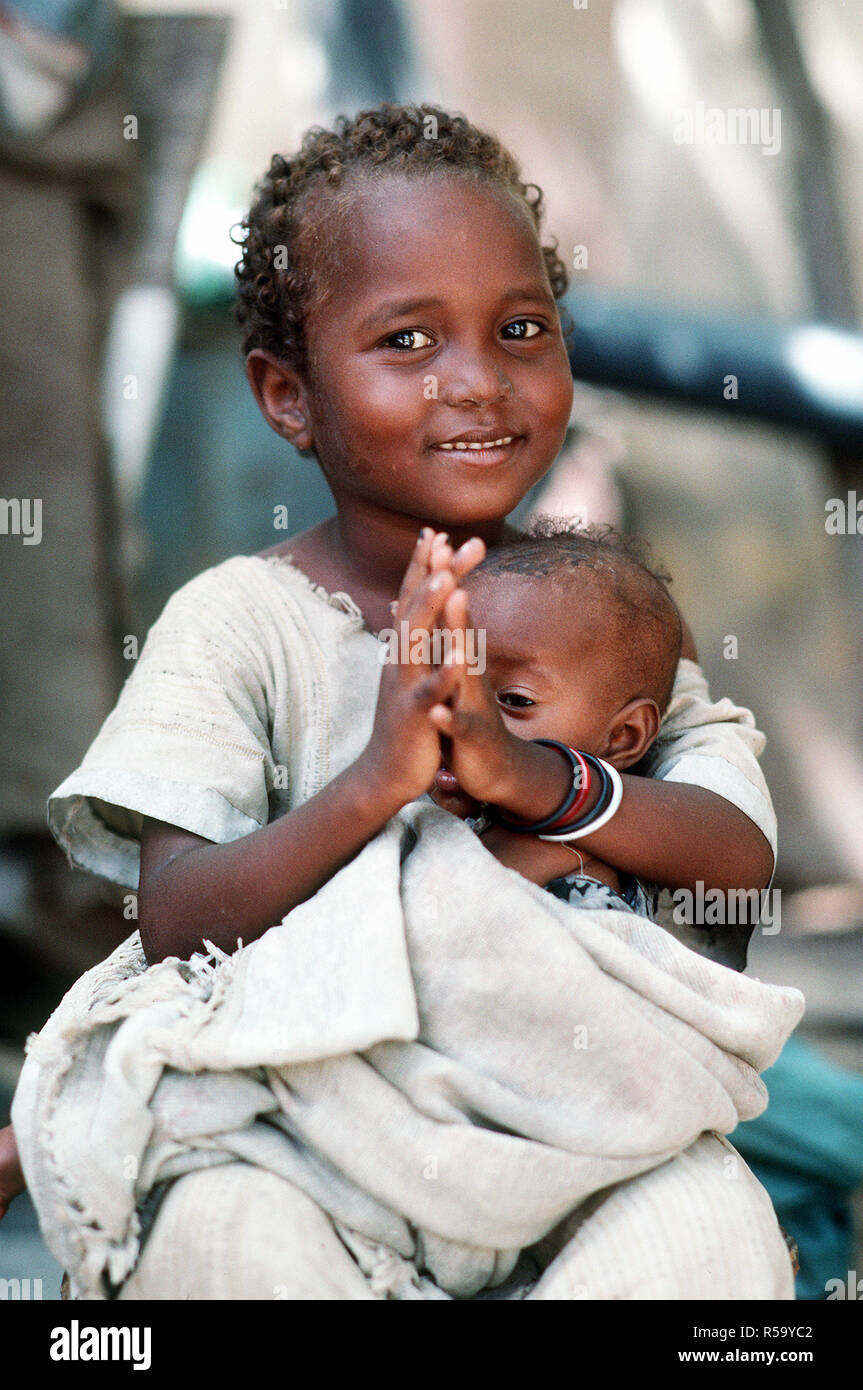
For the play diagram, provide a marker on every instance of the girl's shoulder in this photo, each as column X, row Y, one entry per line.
column 243, row 588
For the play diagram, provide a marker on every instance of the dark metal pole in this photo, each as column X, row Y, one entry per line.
column 808, row 376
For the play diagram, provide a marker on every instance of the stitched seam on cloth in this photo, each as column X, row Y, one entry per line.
column 339, row 599
column 187, row 732
column 315, row 773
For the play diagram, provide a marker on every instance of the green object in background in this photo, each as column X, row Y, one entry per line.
column 205, row 255
column 807, row 1150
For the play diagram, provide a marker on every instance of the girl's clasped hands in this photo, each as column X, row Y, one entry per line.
column 437, row 723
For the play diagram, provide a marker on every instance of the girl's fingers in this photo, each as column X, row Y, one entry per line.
column 423, row 608
column 418, row 566
column 468, row 556
column 456, row 613
column 442, row 717
column 458, row 673
column 452, row 720
column 432, row 555
column 441, row 552
column 437, row 688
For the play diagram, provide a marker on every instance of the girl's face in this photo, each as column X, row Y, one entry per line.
column 438, row 384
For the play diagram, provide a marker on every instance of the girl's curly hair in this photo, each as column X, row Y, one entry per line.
column 301, row 199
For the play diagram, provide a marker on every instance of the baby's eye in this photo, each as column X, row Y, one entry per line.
column 513, row 700
column 523, row 328
column 406, row 340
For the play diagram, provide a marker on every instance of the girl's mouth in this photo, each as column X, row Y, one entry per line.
column 493, row 449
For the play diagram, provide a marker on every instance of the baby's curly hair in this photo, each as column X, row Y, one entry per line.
column 643, row 631
column 300, row 199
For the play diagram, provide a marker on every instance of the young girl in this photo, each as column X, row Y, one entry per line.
column 401, row 327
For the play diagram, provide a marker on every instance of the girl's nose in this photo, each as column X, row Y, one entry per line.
column 475, row 384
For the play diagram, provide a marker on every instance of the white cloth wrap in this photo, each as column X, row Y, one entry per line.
column 446, row 1058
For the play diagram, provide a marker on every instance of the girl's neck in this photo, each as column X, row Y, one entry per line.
column 376, row 550
column 366, row 554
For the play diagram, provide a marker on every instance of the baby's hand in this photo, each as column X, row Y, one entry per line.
column 481, row 750
column 542, row 861
column 488, row 762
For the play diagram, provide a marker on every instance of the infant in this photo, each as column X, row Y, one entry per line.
column 582, row 642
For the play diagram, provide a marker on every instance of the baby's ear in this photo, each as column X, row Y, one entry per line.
column 631, row 733
column 281, row 395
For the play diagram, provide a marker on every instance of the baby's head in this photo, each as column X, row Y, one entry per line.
column 398, row 303
column 582, row 638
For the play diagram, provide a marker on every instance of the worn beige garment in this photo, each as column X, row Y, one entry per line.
column 248, row 1234
column 252, row 691
column 255, row 688
column 443, row 1057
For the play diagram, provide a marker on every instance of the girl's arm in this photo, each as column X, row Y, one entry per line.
column 192, row 889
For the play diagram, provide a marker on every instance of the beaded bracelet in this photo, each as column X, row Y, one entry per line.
column 574, row 813
column 566, row 823
column 609, row 801
column 575, row 797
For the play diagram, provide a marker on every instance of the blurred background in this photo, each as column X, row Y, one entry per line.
column 717, row 288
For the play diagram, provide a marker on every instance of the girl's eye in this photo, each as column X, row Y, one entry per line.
column 520, row 329
column 513, row 700
column 406, row 340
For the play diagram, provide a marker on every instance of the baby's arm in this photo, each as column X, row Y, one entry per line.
column 676, row 834
column 541, row 861
column 11, row 1176
column 670, row 833
column 667, row 833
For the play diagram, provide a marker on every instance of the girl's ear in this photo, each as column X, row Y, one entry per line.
column 631, row 733
column 281, row 395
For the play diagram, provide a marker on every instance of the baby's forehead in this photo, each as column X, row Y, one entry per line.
column 526, row 613
column 527, row 588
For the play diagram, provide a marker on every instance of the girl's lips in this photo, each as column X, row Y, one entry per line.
column 496, row 450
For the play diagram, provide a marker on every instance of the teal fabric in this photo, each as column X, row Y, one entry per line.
column 807, row 1150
